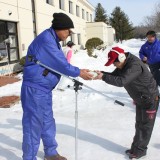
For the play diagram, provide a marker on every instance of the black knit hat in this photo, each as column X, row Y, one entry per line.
column 151, row 33
column 61, row 21
column 70, row 44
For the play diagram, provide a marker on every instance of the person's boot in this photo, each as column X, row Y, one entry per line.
column 128, row 152
column 137, row 155
column 55, row 157
column 132, row 156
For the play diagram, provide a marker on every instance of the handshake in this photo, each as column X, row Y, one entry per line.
column 86, row 74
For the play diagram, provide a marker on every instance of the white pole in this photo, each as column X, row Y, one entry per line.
column 76, row 127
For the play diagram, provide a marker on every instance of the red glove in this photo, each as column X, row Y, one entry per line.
column 151, row 114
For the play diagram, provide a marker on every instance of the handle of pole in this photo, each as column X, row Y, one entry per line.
column 120, row 103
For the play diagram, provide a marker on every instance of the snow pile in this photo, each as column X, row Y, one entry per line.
column 11, row 89
column 105, row 129
column 132, row 46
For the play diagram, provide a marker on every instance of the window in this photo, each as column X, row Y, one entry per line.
column 79, row 39
column 91, row 17
column 87, row 14
column 72, row 37
column 77, row 11
column 9, row 51
column 83, row 14
column 70, row 7
column 61, row 4
column 64, row 43
column 34, row 19
column 51, row 2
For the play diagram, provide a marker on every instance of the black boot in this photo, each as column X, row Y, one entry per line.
column 137, row 155
column 128, row 152
column 56, row 157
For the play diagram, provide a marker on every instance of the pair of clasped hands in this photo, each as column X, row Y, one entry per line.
column 87, row 74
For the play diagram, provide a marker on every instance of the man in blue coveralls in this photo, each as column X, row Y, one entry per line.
column 38, row 83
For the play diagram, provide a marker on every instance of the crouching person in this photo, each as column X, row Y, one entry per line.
column 132, row 74
column 38, row 83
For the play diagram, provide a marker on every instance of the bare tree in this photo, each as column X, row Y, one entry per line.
column 153, row 21
column 157, row 17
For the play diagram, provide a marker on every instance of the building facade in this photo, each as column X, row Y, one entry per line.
column 102, row 31
column 22, row 20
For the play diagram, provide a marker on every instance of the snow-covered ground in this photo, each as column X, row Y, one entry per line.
column 105, row 129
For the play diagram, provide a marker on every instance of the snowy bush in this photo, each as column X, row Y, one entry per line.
column 22, row 61
column 91, row 44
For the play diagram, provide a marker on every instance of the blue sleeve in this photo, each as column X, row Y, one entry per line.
column 141, row 53
column 50, row 55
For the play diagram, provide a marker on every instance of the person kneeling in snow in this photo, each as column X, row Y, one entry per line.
column 38, row 83
column 132, row 74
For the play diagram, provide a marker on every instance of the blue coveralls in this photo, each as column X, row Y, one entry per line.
column 36, row 93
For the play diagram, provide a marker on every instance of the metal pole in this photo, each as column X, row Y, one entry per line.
column 76, row 127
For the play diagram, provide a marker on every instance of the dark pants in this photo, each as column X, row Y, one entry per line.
column 155, row 70
column 144, row 127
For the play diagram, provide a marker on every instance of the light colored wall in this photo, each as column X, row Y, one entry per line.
column 45, row 11
column 7, row 6
column 25, row 25
column 100, row 30
column 111, row 35
column 22, row 14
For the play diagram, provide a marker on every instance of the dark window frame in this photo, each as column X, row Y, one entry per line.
column 64, row 43
column 91, row 18
column 79, row 38
column 10, row 48
column 61, row 5
column 72, row 37
column 87, row 16
column 34, row 19
column 77, row 11
column 70, row 7
column 50, row 2
column 83, row 14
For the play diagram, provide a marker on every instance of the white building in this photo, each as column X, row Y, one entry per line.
column 22, row 20
column 102, row 31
